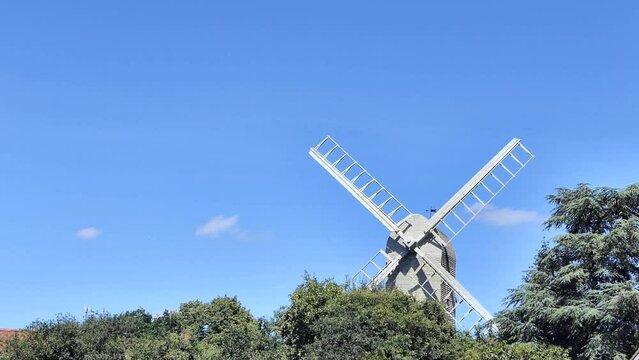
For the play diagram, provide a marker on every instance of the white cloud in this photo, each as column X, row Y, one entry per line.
column 228, row 225
column 88, row 233
column 507, row 216
column 218, row 225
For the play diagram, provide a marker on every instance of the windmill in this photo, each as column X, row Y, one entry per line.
column 419, row 258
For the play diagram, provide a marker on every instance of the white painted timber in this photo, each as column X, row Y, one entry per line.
column 368, row 201
column 457, row 287
column 467, row 191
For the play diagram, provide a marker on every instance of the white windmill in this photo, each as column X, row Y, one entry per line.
column 419, row 258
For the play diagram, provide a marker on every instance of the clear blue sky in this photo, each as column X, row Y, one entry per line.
column 128, row 126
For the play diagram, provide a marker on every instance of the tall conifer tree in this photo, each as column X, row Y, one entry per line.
column 582, row 291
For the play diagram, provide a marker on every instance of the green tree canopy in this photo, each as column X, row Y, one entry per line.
column 327, row 321
column 324, row 320
column 581, row 292
column 490, row 348
column 220, row 329
column 224, row 329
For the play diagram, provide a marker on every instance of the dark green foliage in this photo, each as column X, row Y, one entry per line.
column 581, row 293
column 170, row 346
column 592, row 210
column 381, row 325
column 54, row 340
column 493, row 349
column 325, row 321
column 307, row 305
column 221, row 329
column 105, row 336
column 224, row 329
column 328, row 321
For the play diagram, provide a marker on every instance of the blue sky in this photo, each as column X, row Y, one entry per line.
column 127, row 128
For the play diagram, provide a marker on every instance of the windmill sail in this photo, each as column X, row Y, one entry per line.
column 360, row 183
column 458, row 297
column 480, row 190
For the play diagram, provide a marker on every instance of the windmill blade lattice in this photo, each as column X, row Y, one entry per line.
column 457, row 300
column 480, row 190
column 466, row 311
column 376, row 269
column 360, row 183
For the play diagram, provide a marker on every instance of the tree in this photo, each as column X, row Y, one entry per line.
column 307, row 304
column 48, row 340
column 582, row 291
column 220, row 329
column 224, row 329
column 106, row 336
column 488, row 347
column 167, row 346
column 327, row 321
column 324, row 320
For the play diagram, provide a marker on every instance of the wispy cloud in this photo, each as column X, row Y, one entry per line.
column 88, row 233
column 218, row 225
column 507, row 216
column 227, row 225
